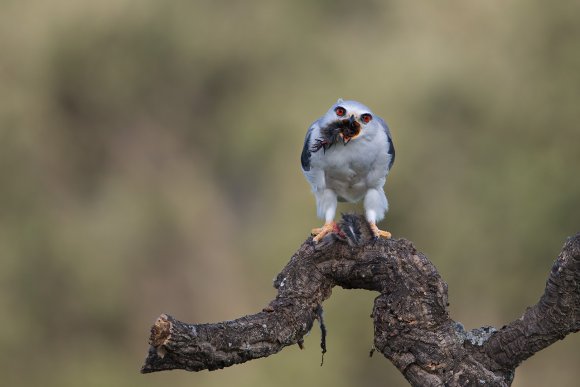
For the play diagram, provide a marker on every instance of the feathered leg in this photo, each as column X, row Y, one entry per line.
column 376, row 205
column 326, row 204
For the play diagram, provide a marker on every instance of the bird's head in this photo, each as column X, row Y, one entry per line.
column 348, row 120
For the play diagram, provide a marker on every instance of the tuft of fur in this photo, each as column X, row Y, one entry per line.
column 356, row 229
column 353, row 229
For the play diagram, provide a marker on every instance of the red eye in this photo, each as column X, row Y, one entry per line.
column 340, row 111
column 366, row 118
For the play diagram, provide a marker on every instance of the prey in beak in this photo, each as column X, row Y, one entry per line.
column 349, row 130
column 345, row 130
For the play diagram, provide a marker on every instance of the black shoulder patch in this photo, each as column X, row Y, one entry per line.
column 305, row 157
column 391, row 151
column 391, row 146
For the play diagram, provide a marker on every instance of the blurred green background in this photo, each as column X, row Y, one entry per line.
column 149, row 163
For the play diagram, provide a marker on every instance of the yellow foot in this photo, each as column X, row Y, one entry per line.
column 323, row 231
column 379, row 233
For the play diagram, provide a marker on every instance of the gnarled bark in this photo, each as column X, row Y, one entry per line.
column 413, row 328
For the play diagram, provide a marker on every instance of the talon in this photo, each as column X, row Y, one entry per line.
column 379, row 233
column 316, row 231
column 323, row 231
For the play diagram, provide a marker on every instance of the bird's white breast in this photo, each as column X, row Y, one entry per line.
column 351, row 169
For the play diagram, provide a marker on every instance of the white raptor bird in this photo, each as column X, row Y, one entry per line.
column 347, row 155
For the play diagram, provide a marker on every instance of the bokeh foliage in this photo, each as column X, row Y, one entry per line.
column 149, row 163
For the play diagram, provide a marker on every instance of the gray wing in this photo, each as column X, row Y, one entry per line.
column 391, row 146
column 305, row 157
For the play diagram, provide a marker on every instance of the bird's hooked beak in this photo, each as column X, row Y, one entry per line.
column 350, row 130
column 351, row 120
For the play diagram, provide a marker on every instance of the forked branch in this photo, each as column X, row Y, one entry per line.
column 412, row 324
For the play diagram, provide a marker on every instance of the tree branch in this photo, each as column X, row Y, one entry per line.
column 412, row 324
